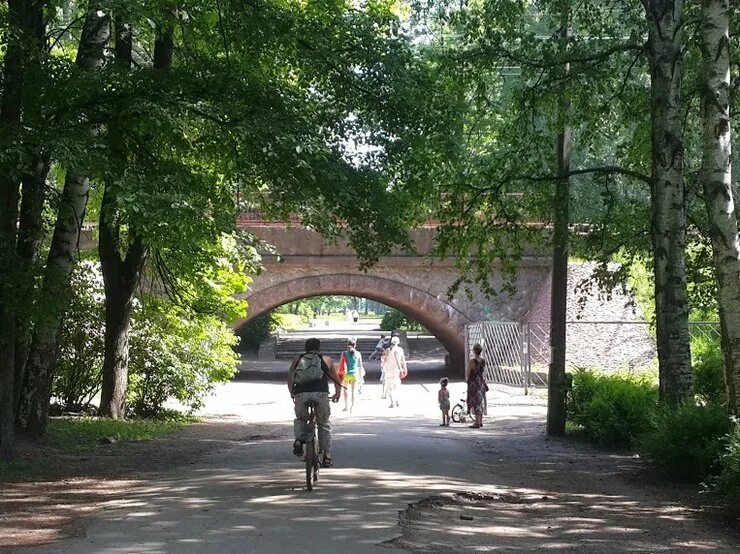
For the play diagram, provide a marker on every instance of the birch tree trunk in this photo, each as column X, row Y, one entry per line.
column 668, row 198
column 716, row 178
column 54, row 296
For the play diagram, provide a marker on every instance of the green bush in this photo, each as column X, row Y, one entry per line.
column 611, row 409
column 687, row 442
column 175, row 354
column 396, row 320
column 707, row 366
column 288, row 321
column 78, row 377
column 728, row 481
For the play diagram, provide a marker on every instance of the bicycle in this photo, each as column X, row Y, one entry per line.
column 312, row 448
column 460, row 412
column 312, row 455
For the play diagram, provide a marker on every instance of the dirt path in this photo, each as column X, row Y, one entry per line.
column 80, row 485
column 229, row 486
column 562, row 495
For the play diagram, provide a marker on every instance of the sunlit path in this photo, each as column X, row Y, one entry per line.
column 251, row 497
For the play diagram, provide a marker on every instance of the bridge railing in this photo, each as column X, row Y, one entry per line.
column 258, row 219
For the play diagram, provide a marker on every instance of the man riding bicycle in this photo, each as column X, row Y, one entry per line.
column 308, row 381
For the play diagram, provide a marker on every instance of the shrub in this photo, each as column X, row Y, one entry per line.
column 396, row 320
column 176, row 354
column 707, row 366
column 611, row 409
column 288, row 321
column 728, row 481
column 687, row 442
column 78, row 377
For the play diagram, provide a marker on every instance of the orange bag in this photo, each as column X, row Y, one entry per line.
column 342, row 366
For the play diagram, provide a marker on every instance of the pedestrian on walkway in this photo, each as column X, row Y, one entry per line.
column 351, row 362
column 443, row 397
column 355, row 316
column 379, row 348
column 395, row 369
column 477, row 387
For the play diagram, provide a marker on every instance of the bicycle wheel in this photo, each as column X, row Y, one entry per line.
column 310, row 462
column 458, row 413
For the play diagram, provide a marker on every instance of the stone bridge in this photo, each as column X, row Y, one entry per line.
column 414, row 283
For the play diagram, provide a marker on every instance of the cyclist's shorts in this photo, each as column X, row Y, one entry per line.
column 349, row 379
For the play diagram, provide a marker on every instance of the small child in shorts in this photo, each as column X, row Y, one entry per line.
column 443, row 397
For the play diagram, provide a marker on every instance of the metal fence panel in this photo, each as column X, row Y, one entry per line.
column 519, row 354
column 502, row 350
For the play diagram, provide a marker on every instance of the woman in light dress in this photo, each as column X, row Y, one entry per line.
column 394, row 369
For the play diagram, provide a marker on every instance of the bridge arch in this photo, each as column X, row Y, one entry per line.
column 440, row 318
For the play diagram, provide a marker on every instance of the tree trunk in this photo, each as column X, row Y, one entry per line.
column 557, row 388
column 117, row 273
column 55, row 294
column 30, row 228
column 716, row 178
column 119, row 294
column 122, row 275
column 668, row 198
column 10, row 118
column 30, row 232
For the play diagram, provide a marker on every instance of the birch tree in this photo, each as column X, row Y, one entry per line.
column 668, row 196
column 716, row 182
column 54, row 293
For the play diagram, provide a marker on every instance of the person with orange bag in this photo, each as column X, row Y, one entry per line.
column 351, row 371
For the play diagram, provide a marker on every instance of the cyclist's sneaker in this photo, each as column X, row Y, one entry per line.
column 298, row 448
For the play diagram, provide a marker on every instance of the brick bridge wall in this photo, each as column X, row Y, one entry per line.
column 410, row 282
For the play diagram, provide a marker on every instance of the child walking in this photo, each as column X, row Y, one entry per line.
column 443, row 397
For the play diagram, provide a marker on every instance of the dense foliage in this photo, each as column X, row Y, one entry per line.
column 396, row 320
column 77, row 380
column 175, row 354
column 687, row 442
column 178, row 356
column 696, row 441
column 612, row 409
column 255, row 331
column 728, row 480
column 709, row 380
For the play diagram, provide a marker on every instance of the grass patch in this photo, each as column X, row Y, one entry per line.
column 75, row 434
column 80, row 435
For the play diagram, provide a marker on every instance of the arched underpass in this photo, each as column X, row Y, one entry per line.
column 441, row 319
